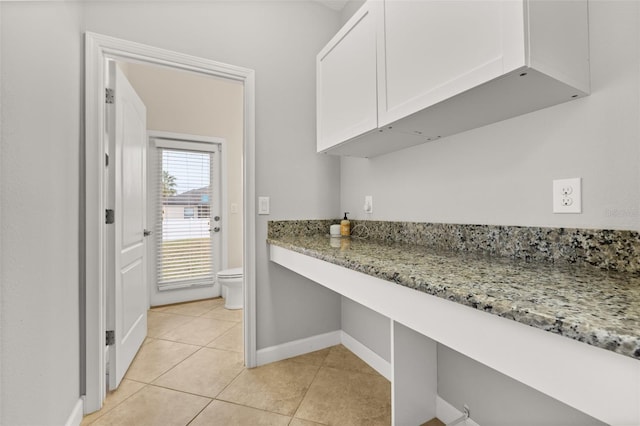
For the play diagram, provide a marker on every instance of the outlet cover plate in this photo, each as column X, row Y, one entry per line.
column 263, row 205
column 368, row 204
column 567, row 195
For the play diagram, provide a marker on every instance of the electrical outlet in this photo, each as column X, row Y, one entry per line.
column 368, row 204
column 567, row 195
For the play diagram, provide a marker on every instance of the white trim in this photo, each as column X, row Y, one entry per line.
column 447, row 413
column 224, row 208
column 172, row 136
column 298, row 347
column 374, row 360
column 75, row 418
column 249, row 218
column 195, row 293
column 322, row 341
column 99, row 48
column 184, row 141
column 184, row 145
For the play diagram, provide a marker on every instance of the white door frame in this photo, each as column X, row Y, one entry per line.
column 98, row 49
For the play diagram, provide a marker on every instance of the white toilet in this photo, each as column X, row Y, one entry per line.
column 231, row 286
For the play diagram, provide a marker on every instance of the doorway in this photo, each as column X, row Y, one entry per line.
column 191, row 112
column 188, row 215
column 99, row 50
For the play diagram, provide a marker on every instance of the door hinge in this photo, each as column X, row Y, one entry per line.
column 110, row 337
column 108, row 95
column 110, row 216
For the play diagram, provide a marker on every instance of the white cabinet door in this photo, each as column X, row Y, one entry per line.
column 437, row 49
column 346, row 80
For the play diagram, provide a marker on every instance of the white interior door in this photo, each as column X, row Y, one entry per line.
column 126, row 288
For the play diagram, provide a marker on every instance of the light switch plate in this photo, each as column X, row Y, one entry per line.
column 263, row 205
column 567, row 195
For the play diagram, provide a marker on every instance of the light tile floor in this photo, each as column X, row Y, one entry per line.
column 190, row 371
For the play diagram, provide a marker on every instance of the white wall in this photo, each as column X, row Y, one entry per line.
column 496, row 399
column 182, row 102
column 1, row 209
column 349, row 9
column 279, row 40
column 502, row 173
column 367, row 327
column 41, row 95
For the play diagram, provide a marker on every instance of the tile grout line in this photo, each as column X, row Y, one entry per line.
column 118, row 404
column 178, row 363
column 189, row 356
column 315, row 376
column 181, row 391
column 199, row 412
column 244, row 368
column 174, row 366
column 191, row 393
column 250, row 407
column 175, row 390
column 201, row 347
column 162, row 336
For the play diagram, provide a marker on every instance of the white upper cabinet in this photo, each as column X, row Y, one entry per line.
column 436, row 49
column 347, row 104
column 443, row 67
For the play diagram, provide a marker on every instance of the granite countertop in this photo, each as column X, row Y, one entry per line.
column 594, row 306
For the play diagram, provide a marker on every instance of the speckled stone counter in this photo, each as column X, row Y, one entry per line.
column 590, row 304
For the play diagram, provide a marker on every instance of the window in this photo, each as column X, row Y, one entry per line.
column 184, row 229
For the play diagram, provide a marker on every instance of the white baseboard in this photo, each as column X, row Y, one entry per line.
column 448, row 413
column 170, row 296
column 75, row 418
column 298, row 347
column 321, row 341
column 374, row 360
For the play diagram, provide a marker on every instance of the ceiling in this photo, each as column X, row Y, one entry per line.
column 333, row 4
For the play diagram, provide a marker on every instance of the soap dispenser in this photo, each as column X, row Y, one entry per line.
column 345, row 226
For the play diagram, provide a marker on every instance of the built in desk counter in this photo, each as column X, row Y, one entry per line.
column 571, row 332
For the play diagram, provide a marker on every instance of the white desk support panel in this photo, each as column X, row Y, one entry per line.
column 598, row 382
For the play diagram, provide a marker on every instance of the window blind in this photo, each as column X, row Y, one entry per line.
column 184, row 249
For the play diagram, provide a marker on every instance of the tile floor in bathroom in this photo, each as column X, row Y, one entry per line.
column 190, row 371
